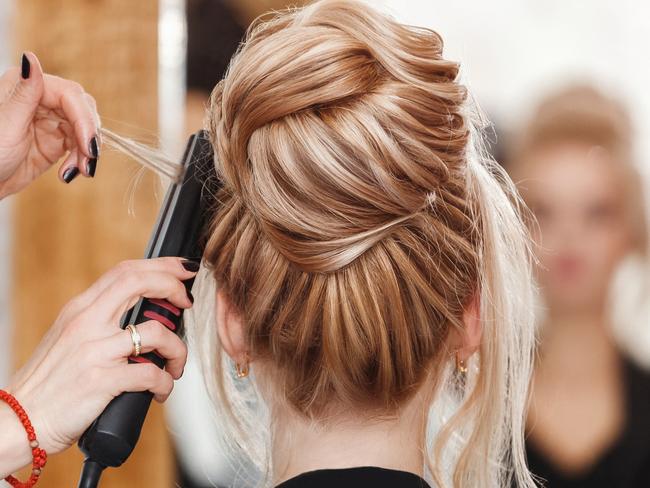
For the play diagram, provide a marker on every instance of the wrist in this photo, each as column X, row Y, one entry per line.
column 15, row 452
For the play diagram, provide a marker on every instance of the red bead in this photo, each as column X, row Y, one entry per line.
column 39, row 456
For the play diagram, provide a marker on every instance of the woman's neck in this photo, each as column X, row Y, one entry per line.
column 580, row 342
column 346, row 442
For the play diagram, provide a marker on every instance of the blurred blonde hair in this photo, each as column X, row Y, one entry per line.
column 359, row 216
column 581, row 113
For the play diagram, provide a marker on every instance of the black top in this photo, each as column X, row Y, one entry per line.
column 626, row 463
column 361, row 477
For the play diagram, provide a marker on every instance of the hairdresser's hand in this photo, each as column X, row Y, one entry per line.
column 43, row 118
column 81, row 363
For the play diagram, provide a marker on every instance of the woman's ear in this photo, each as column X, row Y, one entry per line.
column 230, row 328
column 467, row 341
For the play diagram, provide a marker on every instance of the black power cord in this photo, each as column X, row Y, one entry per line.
column 90, row 474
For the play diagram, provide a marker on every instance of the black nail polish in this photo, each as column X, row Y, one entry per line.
column 91, row 167
column 192, row 266
column 190, row 296
column 25, row 67
column 70, row 174
column 94, row 148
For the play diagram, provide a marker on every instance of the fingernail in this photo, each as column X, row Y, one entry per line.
column 94, row 148
column 91, row 166
column 190, row 296
column 25, row 67
column 192, row 266
column 70, row 174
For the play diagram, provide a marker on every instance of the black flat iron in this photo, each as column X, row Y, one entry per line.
column 179, row 231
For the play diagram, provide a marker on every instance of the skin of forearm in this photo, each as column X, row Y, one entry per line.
column 15, row 452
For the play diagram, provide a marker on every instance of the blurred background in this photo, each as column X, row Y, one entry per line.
column 565, row 84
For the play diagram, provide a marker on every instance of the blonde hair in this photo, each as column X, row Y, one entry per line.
column 580, row 113
column 359, row 216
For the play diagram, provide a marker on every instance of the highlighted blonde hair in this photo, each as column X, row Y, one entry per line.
column 582, row 114
column 359, row 217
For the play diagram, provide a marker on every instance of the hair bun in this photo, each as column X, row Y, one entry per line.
column 334, row 127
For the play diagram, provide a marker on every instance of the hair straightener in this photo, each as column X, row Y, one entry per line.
column 179, row 231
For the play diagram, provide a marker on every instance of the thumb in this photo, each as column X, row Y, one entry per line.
column 26, row 96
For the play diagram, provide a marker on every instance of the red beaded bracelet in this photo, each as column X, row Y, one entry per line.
column 39, row 455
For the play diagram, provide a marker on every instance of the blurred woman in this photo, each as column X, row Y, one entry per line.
column 588, row 423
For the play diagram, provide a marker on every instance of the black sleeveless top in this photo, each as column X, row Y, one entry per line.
column 360, row 477
column 626, row 463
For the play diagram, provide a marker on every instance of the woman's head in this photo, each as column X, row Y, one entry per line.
column 573, row 162
column 346, row 239
column 361, row 243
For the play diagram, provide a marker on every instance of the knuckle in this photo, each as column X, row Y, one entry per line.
column 180, row 288
column 71, row 306
column 125, row 266
column 169, row 260
column 132, row 281
column 156, row 332
column 174, row 263
column 168, row 385
column 73, row 327
column 74, row 302
column 75, row 87
column 182, row 350
column 118, row 270
column 91, row 100
column 150, row 374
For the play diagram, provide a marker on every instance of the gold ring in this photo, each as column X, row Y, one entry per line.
column 135, row 338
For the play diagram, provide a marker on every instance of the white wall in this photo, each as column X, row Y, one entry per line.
column 513, row 51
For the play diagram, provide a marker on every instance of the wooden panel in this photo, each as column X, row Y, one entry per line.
column 67, row 235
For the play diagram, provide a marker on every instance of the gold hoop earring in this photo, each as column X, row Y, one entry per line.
column 243, row 370
column 461, row 366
